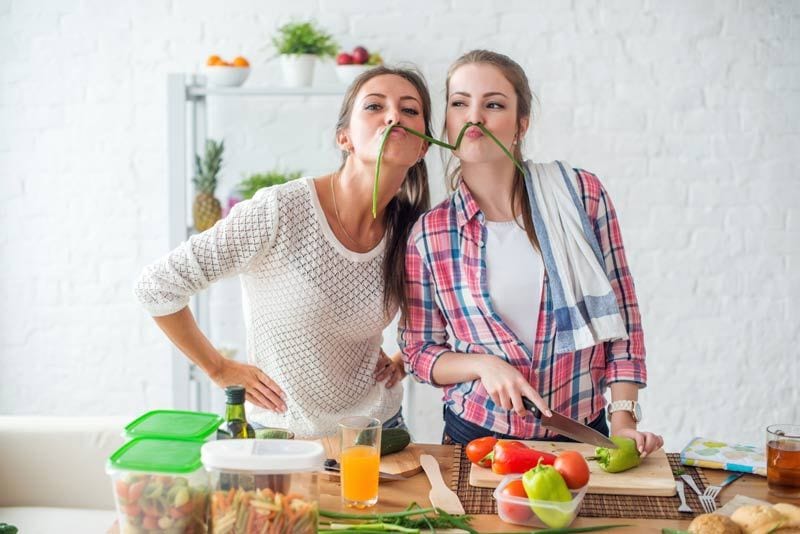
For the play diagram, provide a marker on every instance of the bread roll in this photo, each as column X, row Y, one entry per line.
column 713, row 524
column 758, row 519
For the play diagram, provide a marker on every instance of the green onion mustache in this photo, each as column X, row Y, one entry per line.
column 431, row 140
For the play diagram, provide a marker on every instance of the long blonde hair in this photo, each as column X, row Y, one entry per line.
column 517, row 78
column 413, row 198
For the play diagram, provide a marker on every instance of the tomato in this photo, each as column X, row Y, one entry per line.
column 478, row 449
column 573, row 468
column 512, row 511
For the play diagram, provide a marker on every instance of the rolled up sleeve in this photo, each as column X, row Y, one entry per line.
column 625, row 359
column 422, row 332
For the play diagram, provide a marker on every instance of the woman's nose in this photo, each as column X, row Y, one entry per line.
column 475, row 116
column 392, row 117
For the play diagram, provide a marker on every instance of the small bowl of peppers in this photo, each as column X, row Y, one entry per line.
column 556, row 506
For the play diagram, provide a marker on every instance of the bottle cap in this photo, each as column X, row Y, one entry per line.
column 234, row 394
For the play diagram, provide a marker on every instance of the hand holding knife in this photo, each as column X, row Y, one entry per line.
column 569, row 427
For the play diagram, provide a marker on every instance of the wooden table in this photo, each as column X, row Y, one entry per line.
column 395, row 496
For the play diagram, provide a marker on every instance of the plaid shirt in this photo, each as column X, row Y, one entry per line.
column 446, row 287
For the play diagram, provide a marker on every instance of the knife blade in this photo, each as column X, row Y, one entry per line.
column 569, row 427
column 333, row 466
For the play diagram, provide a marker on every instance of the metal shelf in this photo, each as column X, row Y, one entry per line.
column 199, row 91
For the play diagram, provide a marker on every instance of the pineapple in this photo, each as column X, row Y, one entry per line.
column 206, row 209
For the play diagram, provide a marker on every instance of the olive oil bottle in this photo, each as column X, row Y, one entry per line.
column 236, row 425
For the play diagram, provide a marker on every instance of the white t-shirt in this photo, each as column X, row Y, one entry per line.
column 515, row 274
column 313, row 309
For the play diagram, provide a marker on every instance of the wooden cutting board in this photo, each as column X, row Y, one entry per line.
column 404, row 463
column 652, row 477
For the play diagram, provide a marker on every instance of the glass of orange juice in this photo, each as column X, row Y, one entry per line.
column 360, row 445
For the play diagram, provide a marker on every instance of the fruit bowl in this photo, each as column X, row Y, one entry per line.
column 348, row 73
column 225, row 76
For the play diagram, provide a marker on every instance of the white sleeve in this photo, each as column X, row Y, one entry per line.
column 226, row 249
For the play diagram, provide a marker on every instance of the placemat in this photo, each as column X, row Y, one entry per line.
column 480, row 500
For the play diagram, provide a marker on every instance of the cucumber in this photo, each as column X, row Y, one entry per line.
column 392, row 440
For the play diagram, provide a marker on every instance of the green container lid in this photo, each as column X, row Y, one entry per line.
column 174, row 424
column 159, row 455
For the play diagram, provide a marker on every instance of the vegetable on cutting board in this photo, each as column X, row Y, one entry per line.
column 516, row 457
column 573, row 467
column 625, row 457
column 479, row 451
column 392, row 440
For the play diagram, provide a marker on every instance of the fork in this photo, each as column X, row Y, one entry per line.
column 683, row 507
column 703, row 502
column 709, row 497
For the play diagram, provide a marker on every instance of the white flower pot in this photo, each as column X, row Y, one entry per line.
column 298, row 69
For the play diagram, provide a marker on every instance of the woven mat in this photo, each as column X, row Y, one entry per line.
column 480, row 500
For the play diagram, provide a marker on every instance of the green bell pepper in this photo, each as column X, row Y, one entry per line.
column 625, row 457
column 544, row 483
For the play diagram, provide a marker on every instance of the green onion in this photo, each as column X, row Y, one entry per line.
column 375, row 517
column 435, row 142
column 566, row 530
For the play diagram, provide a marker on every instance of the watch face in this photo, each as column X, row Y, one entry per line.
column 637, row 410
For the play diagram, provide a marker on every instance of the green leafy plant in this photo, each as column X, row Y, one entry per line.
column 304, row 38
column 435, row 142
column 250, row 185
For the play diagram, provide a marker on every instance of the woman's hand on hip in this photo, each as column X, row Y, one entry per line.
column 389, row 369
column 506, row 386
column 260, row 389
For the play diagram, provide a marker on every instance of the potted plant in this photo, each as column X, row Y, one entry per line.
column 250, row 185
column 299, row 44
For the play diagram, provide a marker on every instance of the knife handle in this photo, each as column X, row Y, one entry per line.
column 537, row 413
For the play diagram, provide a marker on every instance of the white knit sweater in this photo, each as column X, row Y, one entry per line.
column 313, row 309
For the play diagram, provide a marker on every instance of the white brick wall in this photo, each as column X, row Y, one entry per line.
column 688, row 111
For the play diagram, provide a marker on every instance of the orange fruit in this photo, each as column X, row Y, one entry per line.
column 239, row 61
column 213, row 60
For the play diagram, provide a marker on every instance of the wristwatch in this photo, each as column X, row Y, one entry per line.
column 631, row 406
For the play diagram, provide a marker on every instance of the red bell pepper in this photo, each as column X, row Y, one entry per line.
column 516, row 457
column 479, row 451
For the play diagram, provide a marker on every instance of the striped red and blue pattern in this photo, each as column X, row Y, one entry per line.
column 448, row 294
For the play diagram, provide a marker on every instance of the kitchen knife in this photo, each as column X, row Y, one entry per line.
column 332, row 466
column 570, row 428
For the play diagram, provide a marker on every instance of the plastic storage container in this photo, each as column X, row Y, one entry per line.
column 534, row 513
column 199, row 426
column 270, row 485
column 159, row 486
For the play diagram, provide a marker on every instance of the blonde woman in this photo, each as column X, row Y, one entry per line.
column 528, row 271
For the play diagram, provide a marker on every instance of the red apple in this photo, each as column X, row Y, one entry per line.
column 360, row 55
column 344, row 59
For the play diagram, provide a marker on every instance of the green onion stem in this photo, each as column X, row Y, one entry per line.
column 373, row 526
column 435, row 142
column 566, row 530
column 375, row 517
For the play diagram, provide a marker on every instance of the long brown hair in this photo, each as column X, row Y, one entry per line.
column 517, row 78
column 413, row 198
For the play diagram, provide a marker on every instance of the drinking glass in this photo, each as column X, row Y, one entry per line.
column 783, row 460
column 360, row 445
